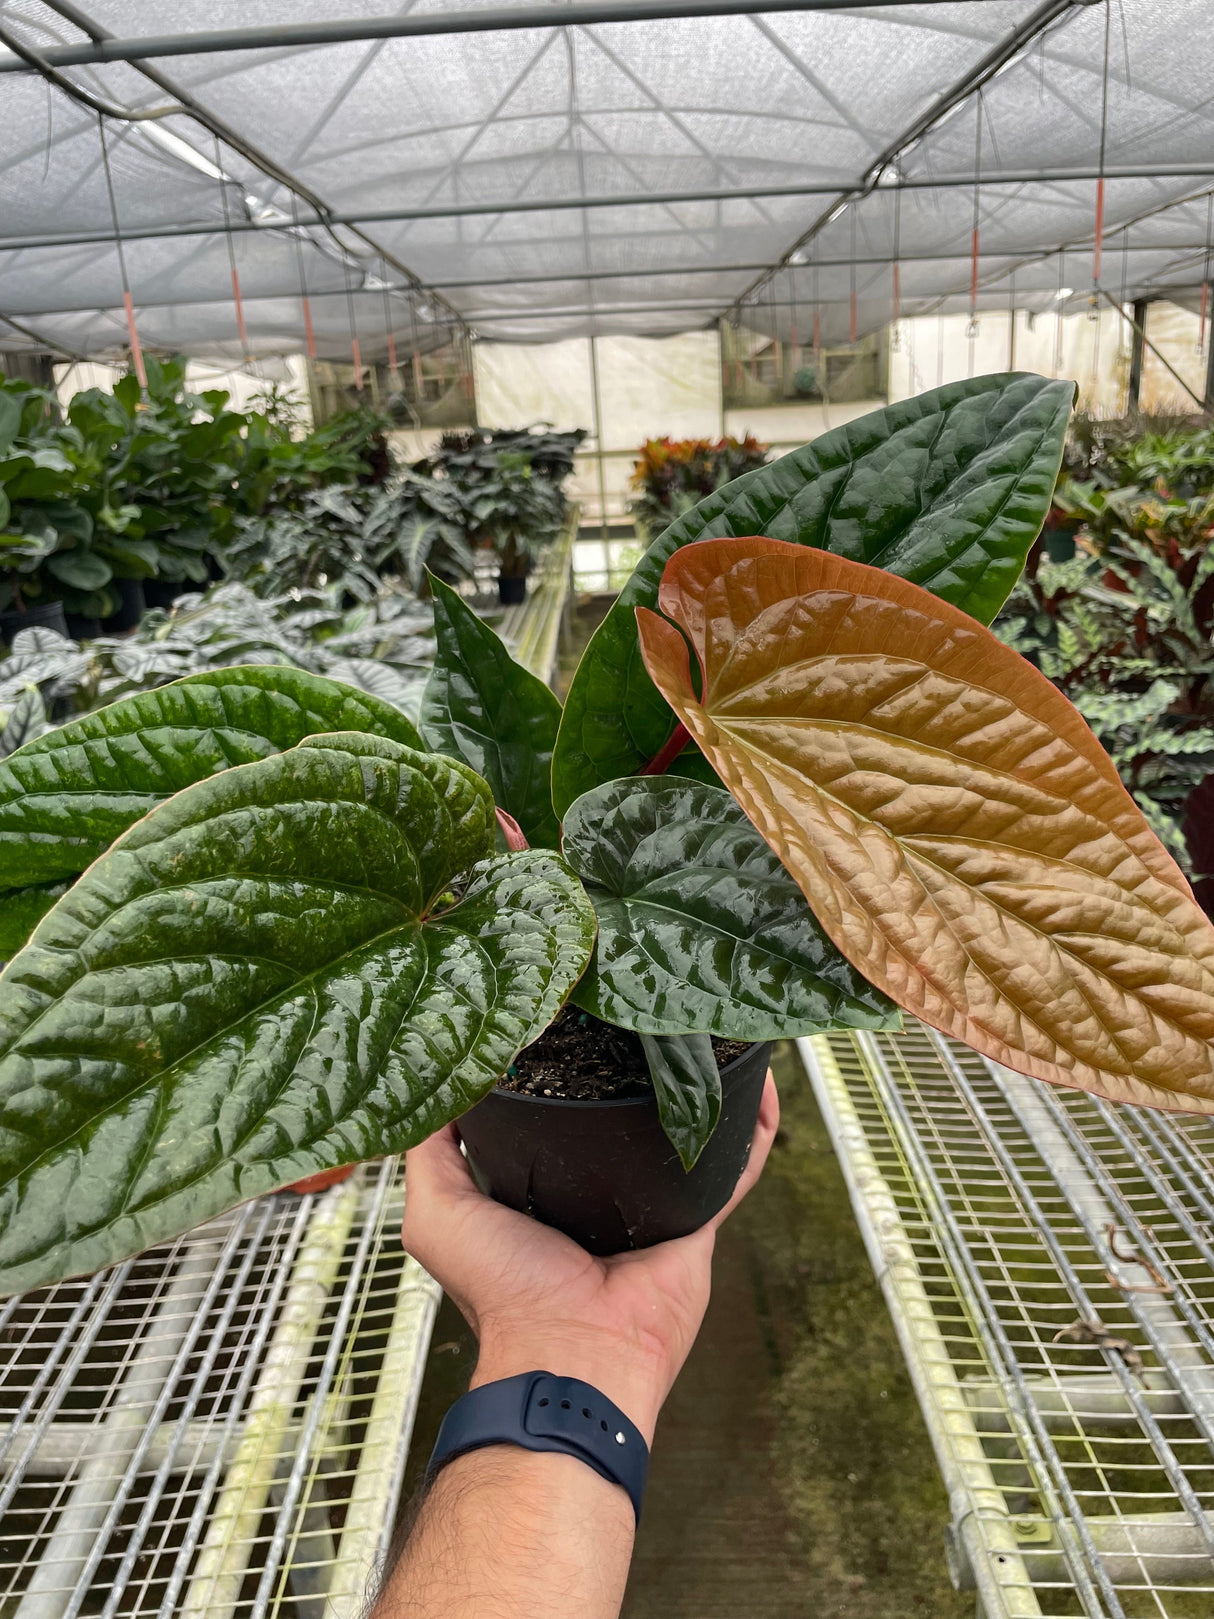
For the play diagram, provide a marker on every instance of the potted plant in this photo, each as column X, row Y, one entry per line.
column 508, row 484
column 296, row 944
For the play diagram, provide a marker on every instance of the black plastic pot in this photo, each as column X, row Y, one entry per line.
column 164, row 592
column 1059, row 543
column 47, row 616
column 131, row 609
column 511, row 589
column 604, row 1172
column 83, row 628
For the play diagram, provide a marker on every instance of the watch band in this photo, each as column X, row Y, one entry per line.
column 542, row 1412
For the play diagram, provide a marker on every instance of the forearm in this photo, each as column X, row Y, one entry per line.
column 507, row 1533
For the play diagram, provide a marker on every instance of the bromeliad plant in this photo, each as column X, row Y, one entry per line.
column 796, row 782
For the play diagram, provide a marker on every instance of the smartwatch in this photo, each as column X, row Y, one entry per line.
column 539, row 1411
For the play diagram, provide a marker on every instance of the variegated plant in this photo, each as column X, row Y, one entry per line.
column 796, row 784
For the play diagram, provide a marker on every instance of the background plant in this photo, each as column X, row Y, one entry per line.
column 673, row 475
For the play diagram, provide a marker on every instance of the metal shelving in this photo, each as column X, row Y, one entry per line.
column 1049, row 1264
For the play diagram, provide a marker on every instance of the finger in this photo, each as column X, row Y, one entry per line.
column 765, row 1133
column 437, row 1168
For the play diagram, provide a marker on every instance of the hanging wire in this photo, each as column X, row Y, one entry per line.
column 1011, row 320
column 972, row 329
column 1205, row 280
column 231, row 240
column 896, row 274
column 309, row 333
column 127, row 300
column 817, row 315
column 355, row 352
column 1058, row 301
column 391, row 337
column 418, row 391
column 795, row 322
column 851, row 306
column 1098, row 243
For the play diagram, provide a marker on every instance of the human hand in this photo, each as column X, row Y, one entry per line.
column 537, row 1300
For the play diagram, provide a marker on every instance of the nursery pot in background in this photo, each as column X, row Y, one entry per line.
column 604, row 1172
column 511, row 589
column 130, row 609
column 47, row 616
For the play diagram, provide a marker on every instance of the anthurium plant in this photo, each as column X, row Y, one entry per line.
column 797, row 784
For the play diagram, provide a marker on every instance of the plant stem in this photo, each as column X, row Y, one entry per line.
column 668, row 752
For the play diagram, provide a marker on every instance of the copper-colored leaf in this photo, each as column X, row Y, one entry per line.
column 955, row 825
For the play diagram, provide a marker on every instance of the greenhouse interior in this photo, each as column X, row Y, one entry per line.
column 606, row 806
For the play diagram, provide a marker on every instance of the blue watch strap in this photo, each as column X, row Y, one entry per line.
column 542, row 1412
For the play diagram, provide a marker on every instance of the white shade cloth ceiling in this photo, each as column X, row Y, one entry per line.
column 783, row 114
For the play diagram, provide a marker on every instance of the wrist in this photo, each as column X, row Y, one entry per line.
column 629, row 1375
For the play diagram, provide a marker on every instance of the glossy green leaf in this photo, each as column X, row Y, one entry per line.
column 484, row 708
column 687, row 1083
column 700, row 926
column 292, row 965
column 948, row 489
column 21, row 910
column 66, row 796
column 83, row 570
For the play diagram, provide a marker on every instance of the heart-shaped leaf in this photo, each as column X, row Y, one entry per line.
column 700, row 927
column 83, row 570
column 484, row 708
column 66, row 796
column 955, row 825
column 285, row 968
column 687, row 1083
column 948, row 489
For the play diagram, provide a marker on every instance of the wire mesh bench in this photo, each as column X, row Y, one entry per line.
column 1048, row 1261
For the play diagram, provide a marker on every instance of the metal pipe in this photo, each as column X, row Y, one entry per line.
column 494, row 19
column 1023, row 35
column 217, row 127
column 465, row 210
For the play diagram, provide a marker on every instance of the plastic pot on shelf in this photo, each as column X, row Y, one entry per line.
column 46, row 616
column 132, row 605
column 604, row 1172
column 511, row 589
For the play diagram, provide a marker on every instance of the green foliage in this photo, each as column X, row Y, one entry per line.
column 352, row 971
column 383, row 647
column 137, row 484
column 1127, row 637
column 700, row 926
column 948, row 490
column 482, row 707
column 66, row 795
column 508, row 487
column 673, row 475
column 687, row 1084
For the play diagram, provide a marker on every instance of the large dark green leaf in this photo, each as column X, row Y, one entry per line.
column 66, row 796
column 687, row 1083
column 21, row 909
column 948, row 490
column 279, row 971
column 700, row 926
column 484, row 708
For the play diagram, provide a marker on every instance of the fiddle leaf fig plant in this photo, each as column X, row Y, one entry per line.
column 295, row 946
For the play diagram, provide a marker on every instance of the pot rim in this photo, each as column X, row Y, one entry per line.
column 648, row 1100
